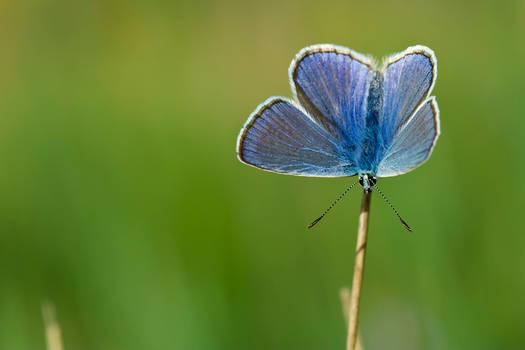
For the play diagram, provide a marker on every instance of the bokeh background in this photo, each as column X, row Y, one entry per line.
column 123, row 203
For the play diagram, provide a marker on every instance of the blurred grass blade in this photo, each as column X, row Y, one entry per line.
column 52, row 328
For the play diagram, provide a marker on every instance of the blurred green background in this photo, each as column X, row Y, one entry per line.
column 123, row 202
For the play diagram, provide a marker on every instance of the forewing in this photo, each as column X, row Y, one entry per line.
column 413, row 143
column 331, row 82
column 408, row 80
column 280, row 137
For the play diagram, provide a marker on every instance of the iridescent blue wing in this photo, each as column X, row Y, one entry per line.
column 409, row 122
column 413, row 143
column 323, row 138
column 331, row 82
column 279, row 136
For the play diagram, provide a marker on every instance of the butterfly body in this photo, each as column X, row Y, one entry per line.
column 368, row 159
column 349, row 117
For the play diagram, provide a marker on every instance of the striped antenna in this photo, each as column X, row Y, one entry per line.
column 394, row 209
column 331, row 206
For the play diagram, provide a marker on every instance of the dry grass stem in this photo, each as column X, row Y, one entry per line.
column 358, row 272
column 345, row 295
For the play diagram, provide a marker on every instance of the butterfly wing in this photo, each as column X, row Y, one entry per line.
column 409, row 122
column 413, row 143
column 279, row 136
column 332, row 82
column 321, row 139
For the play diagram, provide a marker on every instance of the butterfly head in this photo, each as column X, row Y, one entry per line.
column 368, row 181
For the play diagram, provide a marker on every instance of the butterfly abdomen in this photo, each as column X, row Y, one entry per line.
column 367, row 162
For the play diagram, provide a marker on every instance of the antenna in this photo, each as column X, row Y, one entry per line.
column 331, row 206
column 394, row 209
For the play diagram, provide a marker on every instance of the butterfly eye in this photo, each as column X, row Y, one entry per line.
column 361, row 180
column 373, row 180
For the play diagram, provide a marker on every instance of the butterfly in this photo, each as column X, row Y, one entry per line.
column 349, row 116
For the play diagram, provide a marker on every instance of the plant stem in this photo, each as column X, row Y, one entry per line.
column 345, row 295
column 358, row 271
column 52, row 328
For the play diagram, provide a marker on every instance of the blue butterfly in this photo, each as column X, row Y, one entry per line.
column 349, row 116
